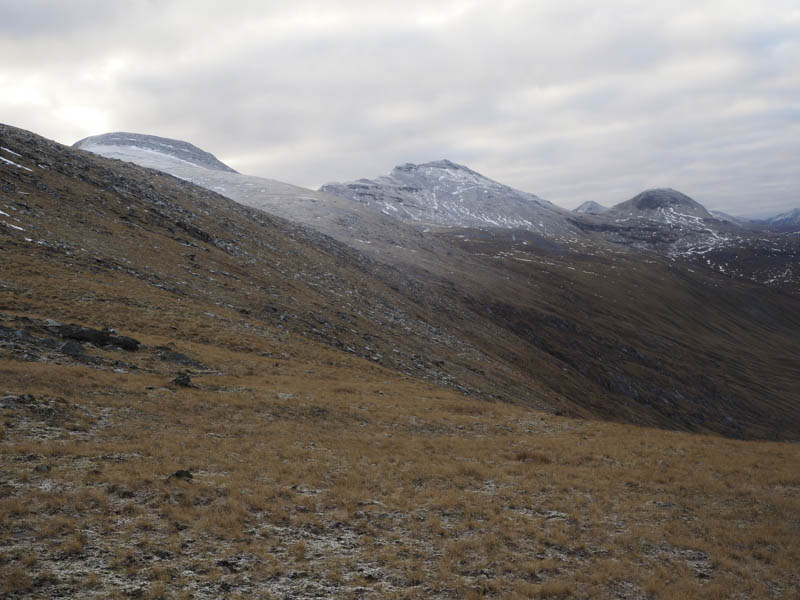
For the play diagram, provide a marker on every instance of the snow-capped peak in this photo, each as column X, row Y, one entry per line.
column 445, row 193
column 590, row 207
column 137, row 147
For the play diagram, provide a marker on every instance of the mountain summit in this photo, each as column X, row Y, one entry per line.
column 662, row 204
column 590, row 207
column 141, row 149
column 448, row 194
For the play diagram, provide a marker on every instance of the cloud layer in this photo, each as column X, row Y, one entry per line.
column 572, row 100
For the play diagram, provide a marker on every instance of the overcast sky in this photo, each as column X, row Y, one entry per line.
column 571, row 100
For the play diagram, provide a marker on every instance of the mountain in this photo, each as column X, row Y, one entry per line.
column 722, row 216
column 199, row 397
column 671, row 224
column 661, row 220
column 349, row 222
column 443, row 193
column 661, row 204
column 590, row 207
column 500, row 314
column 150, row 148
column 788, row 221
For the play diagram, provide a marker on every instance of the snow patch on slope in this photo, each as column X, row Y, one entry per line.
column 13, row 164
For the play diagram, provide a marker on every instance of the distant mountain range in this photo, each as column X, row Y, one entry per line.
column 788, row 221
column 387, row 216
column 438, row 193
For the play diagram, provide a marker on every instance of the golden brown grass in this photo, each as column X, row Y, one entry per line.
column 412, row 491
column 316, row 473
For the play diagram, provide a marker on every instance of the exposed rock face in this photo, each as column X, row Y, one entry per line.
column 183, row 380
column 97, row 337
column 109, row 143
column 448, row 194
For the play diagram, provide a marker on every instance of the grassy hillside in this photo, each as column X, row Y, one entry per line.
column 582, row 329
column 318, row 475
column 636, row 337
column 199, row 400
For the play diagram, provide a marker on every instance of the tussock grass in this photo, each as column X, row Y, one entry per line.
column 321, row 481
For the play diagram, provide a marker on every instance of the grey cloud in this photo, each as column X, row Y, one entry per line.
column 37, row 18
column 570, row 100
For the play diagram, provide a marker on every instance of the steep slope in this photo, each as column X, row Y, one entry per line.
column 448, row 194
column 634, row 334
column 351, row 223
column 508, row 314
column 147, row 235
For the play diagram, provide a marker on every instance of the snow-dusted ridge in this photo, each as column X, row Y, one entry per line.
column 388, row 216
column 139, row 145
column 349, row 222
column 444, row 193
column 788, row 221
column 590, row 207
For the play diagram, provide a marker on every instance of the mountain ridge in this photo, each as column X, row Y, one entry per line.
column 502, row 314
column 352, row 223
column 386, row 217
column 787, row 221
column 177, row 148
column 445, row 193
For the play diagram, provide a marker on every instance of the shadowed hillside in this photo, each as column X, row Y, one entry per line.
column 576, row 324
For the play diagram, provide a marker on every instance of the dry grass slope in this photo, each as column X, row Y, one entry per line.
column 313, row 476
column 582, row 329
column 316, row 472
